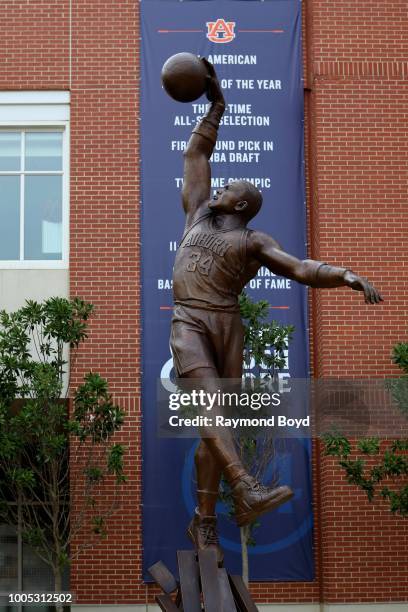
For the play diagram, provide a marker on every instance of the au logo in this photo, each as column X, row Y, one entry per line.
column 220, row 31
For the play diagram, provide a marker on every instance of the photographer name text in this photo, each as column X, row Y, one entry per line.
column 234, row 423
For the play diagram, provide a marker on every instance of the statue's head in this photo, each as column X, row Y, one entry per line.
column 239, row 197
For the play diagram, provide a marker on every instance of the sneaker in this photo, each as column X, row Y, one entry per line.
column 202, row 531
column 251, row 499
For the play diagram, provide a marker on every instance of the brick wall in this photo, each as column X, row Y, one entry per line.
column 357, row 143
column 105, row 266
column 359, row 154
column 35, row 44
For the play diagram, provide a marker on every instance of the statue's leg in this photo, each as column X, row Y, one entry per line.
column 219, row 441
column 251, row 498
column 208, row 480
column 213, row 343
column 212, row 456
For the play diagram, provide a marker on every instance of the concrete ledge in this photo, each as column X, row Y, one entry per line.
column 352, row 607
column 153, row 608
column 371, row 607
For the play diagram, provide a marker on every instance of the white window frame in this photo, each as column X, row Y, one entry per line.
column 40, row 111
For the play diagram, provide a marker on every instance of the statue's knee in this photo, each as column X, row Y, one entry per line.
column 201, row 453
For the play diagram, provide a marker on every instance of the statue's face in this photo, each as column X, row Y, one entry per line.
column 228, row 200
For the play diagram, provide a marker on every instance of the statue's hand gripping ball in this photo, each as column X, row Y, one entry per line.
column 185, row 77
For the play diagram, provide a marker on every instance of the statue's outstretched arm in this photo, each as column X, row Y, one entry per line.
column 197, row 173
column 307, row 271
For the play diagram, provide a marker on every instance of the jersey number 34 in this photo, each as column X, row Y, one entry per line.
column 201, row 262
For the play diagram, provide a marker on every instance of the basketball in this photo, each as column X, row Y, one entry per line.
column 184, row 77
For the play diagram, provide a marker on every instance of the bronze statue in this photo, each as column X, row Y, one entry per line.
column 216, row 258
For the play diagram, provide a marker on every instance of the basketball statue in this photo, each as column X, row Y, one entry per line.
column 217, row 256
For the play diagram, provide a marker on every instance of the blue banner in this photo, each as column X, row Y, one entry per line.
column 256, row 50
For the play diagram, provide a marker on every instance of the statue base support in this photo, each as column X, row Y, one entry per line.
column 203, row 586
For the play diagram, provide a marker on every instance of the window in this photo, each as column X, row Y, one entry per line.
column 21, row 570
column 33, row 180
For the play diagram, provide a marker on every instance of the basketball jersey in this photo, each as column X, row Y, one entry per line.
column 211, row 268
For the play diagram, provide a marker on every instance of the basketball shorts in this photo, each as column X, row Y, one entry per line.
column 207, row 339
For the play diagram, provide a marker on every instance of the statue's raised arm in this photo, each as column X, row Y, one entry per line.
column 197, row 173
